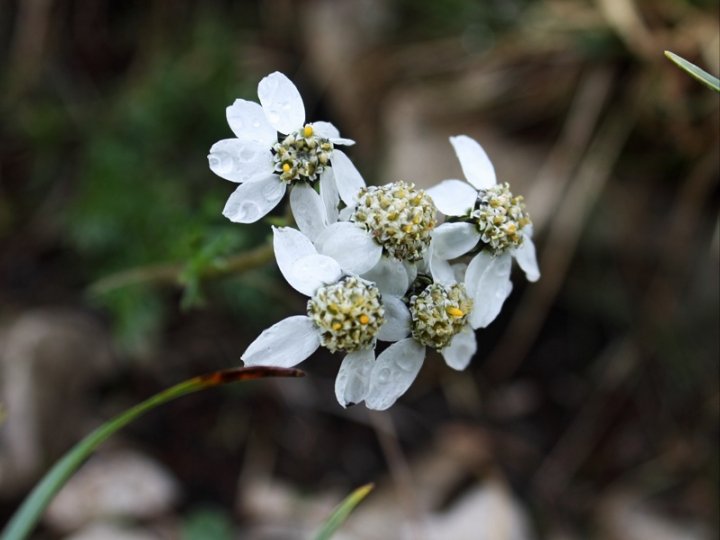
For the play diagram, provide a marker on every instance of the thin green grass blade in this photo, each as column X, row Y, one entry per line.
column 698, row 73
column 342, row 511
column 32, row 508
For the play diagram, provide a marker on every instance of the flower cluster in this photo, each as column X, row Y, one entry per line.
column 374, row 261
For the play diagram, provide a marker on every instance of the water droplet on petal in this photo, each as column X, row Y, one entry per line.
column 272, row 190
column 384, row 375
column 246, row 211
column 405, row 363
column 220, row 163
column 273, row 116
column 247, row 154
column 256, row 124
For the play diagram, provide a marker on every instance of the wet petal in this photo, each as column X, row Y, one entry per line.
column 393, row 373
column 352, row 247
column 281, row 103
column 310, row 273
column 475, row 163
column 486, row 281
column 308, row 210
column 353, row 379
column 453, row 240
column 390, row 276
column 248, row 122
column 253, row 200
column 299, row 262
column 462, row 347
column 284, row 344
column 347, row 178
column 527, row 259
column 453, row 197
column 240, row 161
column 397, row 319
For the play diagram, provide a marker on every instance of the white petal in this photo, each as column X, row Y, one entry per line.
column 351, row 246
column 342, row 141
column 459, row 270
column 290, row 245
column 310, row 273
column 329, row 131
column 300, row 264
column 441, row 270
column 393, row 373
column 281, row 102
column 453, row 240
column 325, row 130
column 240, row 161
column 412, row 270
column 253, row 200
column 353, row 379
column 347, row 178
column 329, row 195
column 284, row 344
column 346, row 213
column 527, row 259
column 475, row 163
column 390, row 276
column 486, row 281
column 462, row 347
column 248, row 122
column 453, row 197
column 308, row 210
column 397, row 319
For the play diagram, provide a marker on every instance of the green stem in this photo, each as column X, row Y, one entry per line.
column 32, row 508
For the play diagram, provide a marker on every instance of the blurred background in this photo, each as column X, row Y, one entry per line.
column 591, row 408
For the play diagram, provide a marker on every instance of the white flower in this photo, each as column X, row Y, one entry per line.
column 265, row 165
column 384, row 233
column 344, row 313
column 488, row 214
column 443, row 317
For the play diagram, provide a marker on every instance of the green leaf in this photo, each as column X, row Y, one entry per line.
column 342, row 511
column 32, row 508
column 700, row 74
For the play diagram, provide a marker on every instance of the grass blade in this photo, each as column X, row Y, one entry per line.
column 698, row 73
column 343, row 510
column 32, row 508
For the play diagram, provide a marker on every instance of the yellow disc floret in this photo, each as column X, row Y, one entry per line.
column 399, row 217
column 500, row 217
column 301, row 156
column 438, row 313
column 349, row 314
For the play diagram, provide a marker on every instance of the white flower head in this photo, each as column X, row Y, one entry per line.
column 388, row 225
column 501, row 224
column 344, row 313
column 275, row 149
column 444, row 318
